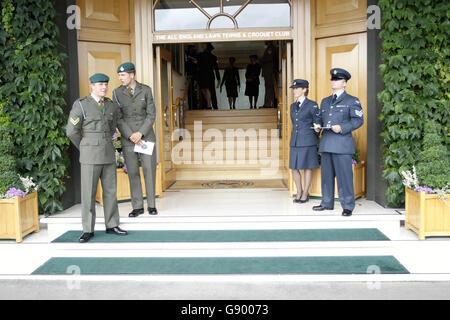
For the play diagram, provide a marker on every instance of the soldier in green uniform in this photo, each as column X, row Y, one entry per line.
column 91, row 125
column 138, row 114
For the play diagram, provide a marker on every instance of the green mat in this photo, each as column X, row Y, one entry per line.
column 234, row 265
column 368, row 234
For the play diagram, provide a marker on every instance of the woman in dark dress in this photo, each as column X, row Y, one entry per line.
column 252, row 80
column 232, row 82
column 303, row 144
column 207, row 67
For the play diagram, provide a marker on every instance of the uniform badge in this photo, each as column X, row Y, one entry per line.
column 359, row 113
column 74, row 121
column 122, row 69
column 335, row 72
column 357, row 101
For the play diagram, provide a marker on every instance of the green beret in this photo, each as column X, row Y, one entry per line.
column 99, row 77
column 126, row 67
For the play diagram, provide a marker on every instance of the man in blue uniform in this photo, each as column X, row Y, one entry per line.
column 341, row 114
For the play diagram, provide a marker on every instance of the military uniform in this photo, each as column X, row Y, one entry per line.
column 304, row 140
column 138, row 114
column 90, row 128
column 337, row 148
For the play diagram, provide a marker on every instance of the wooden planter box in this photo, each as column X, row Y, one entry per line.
column 426, row 215
column 19, row 217
column 359, row 182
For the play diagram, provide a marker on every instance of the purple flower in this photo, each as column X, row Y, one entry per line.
column 354, row 162
column 425, row 189
column 125, row 168
column 13, row 192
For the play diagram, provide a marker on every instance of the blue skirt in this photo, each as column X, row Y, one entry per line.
column 303, row 158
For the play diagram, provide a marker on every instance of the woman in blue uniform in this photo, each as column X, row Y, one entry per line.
column 304, row 139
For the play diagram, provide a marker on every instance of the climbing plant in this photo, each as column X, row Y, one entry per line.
column 32, row 85
column 415, row 70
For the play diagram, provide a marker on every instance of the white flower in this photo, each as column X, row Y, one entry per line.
column 410, row 179
column 28, row 184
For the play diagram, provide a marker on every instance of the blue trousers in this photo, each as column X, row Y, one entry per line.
column 339, row 166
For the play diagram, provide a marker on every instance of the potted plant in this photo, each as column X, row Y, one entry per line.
column 18, row 197
column 427, row 206
column 123, row 184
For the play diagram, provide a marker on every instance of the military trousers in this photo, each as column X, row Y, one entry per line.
column 339, row 166
column 148, row 163
column 90, row 175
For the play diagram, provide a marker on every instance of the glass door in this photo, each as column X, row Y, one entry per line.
column 165, row 115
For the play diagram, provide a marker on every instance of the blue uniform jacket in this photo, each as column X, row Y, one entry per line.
column 302, row 135
column 346, row 112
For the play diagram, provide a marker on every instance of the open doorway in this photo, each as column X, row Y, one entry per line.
column 219, row 144
column 251, row 79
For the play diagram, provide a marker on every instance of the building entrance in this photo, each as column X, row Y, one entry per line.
column 222, row 113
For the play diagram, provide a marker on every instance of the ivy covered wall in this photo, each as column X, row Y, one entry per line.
column 415, row 71
column 32, row 87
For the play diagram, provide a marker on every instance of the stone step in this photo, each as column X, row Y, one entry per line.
column 227, row 173
column 231, row 113
column 231, row 145
column 232, row 119
column 389, row 225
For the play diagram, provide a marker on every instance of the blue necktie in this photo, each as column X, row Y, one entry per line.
column 334, row 99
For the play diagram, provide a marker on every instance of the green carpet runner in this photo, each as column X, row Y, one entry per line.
column 220, row 265
column 363, row 234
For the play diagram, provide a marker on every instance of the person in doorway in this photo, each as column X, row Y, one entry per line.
column 138, row 114
column 191, row 63
column 304, row 140
column 207, row 67
column 341, row 114
column 268, row 73
column 90, row 127
column 232, row 83
column 252, row 80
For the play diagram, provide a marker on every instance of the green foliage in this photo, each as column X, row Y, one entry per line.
column 415, row 63
column 9, row 177
column 433, row 169
column 31, row 93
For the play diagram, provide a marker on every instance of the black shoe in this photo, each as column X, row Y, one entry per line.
column 152, row 211
column 321, row 208
column 85, row 237
column 306, row 200
column 297, row 201
column 136, row 212
column 346, row 213
column 117, row 230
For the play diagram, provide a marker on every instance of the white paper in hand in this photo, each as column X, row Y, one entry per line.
column 145, row 148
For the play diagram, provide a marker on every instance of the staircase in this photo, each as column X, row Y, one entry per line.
column 229, row 145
